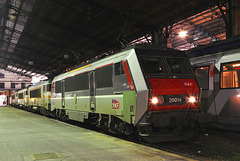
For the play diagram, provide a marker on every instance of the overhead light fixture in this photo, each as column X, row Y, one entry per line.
column 65, row 56
column 182, row 34
column 30, row 62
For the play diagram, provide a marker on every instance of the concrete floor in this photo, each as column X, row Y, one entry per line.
column 25, row 136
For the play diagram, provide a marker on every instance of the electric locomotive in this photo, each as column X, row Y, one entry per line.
column 142, row 89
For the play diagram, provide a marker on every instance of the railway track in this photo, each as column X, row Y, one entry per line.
column 213, row 144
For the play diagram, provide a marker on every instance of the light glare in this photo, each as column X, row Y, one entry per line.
column 183, row 34
column 154, row 100
column 192, row 99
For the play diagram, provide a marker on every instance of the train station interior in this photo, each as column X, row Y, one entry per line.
column 135, row 70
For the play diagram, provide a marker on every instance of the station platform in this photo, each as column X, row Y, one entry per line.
column 26, row 136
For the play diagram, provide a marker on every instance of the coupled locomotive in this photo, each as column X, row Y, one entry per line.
column 141, row 89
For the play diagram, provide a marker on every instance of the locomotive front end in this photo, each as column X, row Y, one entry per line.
column 173, row 97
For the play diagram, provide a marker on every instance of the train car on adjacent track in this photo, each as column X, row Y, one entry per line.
column 217, row 67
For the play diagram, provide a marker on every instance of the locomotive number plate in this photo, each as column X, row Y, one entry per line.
column 174, row 100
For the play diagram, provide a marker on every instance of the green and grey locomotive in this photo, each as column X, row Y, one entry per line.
column 142, row 89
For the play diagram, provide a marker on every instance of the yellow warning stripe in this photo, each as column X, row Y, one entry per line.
column 80, row 68
column 35, row 88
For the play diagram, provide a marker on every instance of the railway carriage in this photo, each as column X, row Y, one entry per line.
column 14, row 99
column 143, row 88
column 23, row 98
column 39, row 97
column 217, row 68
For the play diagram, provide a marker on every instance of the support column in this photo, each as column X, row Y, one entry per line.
column 236, row 17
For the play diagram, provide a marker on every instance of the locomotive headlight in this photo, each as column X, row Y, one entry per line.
column 192, row 99
column 154, row 100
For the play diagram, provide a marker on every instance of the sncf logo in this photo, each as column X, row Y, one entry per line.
column 115, row 104
column 189, row 84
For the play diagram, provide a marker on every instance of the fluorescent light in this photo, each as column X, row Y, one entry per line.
column 236, row 65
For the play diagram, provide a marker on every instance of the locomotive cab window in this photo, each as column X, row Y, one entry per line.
column 153, row 65
column 202, row 75
column 120, row 79
column 119, row 69
column 179, row 66
column 230, row 75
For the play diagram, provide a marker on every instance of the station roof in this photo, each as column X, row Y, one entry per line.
column 47, row 37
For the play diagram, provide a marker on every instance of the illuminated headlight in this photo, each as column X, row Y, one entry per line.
column 191, row 99
column 157, row 100
column 154, row 100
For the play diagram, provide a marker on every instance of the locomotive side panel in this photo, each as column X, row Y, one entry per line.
column 99, row 91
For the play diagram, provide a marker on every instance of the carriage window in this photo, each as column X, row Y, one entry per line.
column 179, row 66
column 103, row 77
column 153, row 65
column 202, row 74
column 35, row 93
column 48, row 87
column 77, row 82
column 57, row 87
column 20, row 96
column 230, row 75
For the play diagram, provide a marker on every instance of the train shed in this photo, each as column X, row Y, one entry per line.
column 110, row 79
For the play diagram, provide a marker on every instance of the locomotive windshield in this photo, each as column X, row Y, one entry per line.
column 179, row 66
column 165, row 66
column 154, row 65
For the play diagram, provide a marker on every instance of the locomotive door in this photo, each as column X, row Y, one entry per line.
column 63, row 93
column 92, row 91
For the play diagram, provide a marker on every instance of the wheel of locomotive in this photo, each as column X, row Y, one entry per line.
column 62, row 115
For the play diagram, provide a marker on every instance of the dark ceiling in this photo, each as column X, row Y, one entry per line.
column 49, row 36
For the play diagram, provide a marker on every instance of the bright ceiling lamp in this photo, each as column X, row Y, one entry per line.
column 182, row 34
